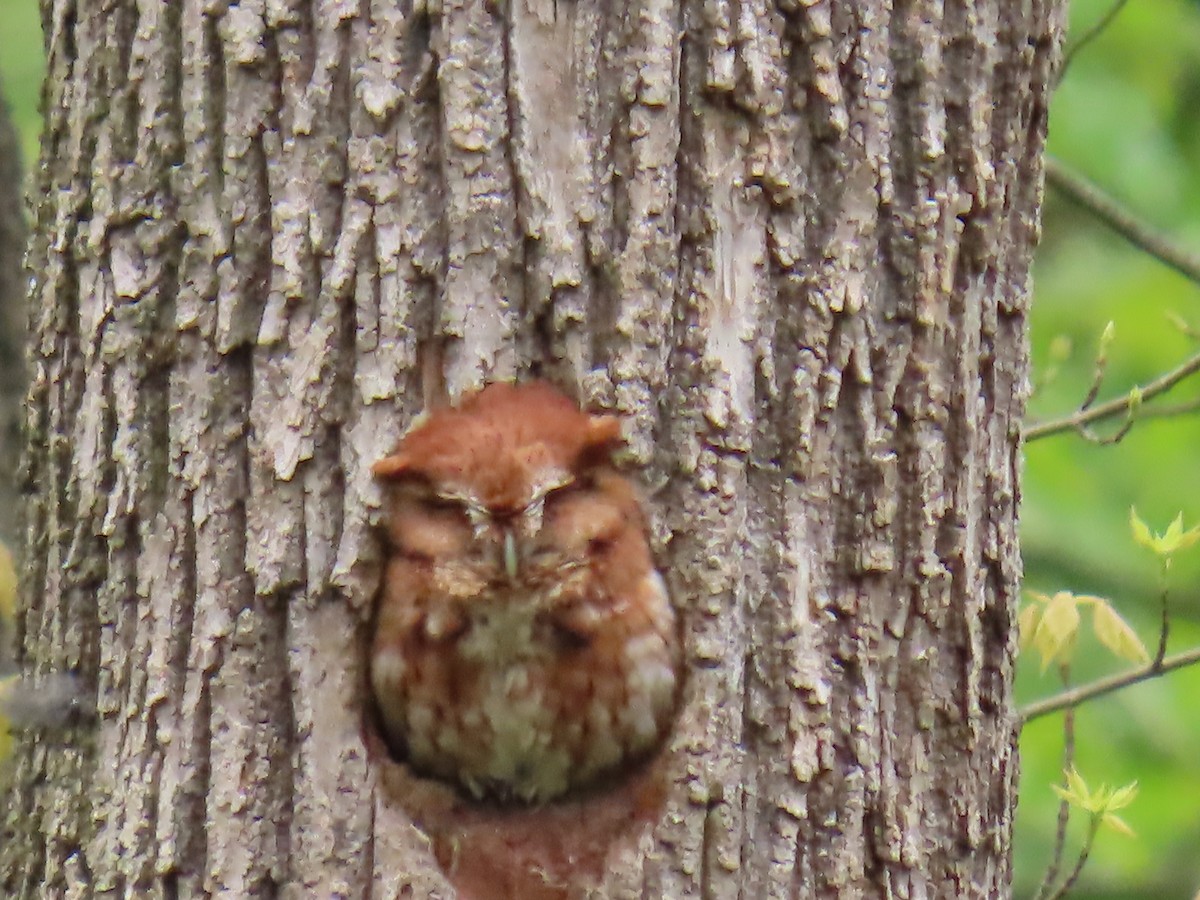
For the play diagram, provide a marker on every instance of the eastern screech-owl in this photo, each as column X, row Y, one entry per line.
column 524, row 643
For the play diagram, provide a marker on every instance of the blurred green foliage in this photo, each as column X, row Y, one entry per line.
column 8, row 597
column 1126, row 117
column 21, row 68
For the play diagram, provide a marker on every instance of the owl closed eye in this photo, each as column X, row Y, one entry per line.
column 524, row 643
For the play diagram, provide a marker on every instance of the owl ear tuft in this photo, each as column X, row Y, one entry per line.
column 391, row 467
column 603, row 433
column 601, row 438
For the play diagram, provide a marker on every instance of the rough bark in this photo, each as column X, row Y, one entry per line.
column 12, row 318
column 790, row 241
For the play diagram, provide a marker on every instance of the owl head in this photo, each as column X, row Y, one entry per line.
column 498, row 456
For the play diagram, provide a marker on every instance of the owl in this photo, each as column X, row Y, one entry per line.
column 524, row 644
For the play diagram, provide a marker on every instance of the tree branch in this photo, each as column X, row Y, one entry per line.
column 1078, row 189
column 1090, row 35
column 1170, row 411
column 1084, row 853
column 1083, row 693
column 1064, row 805
column 1083, row 417
column 1165, row 627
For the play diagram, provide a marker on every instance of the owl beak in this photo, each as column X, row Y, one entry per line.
column 512, row 559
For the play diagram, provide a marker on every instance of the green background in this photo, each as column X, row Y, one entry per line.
column 1127, row 116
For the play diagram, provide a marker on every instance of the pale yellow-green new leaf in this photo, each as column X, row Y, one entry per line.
column 5, row 737
column 8, row 600
column 1077, row 785
column 8, row 584
column 1102, row 801
column 1115, row 634
column 1189, row 537
column 1055, row 636
column 1076, row 791
column 1170, row 541
column 1141, row 531
column 1172, row 536
column 1177, row 539
column 1060, row 348
column 1118, row 799
column 1184, row 328
column 1117, row 824
column 1106, row 339
column 1122, row 796
column 1027, row 623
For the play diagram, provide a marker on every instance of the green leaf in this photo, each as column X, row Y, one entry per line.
column 1106, row 339
column 1055, row 635
column 1115, row 634
column 1169, row 542
column 6, row 684
column 1178, row 321
column 1171, row 537
column 1064, row 794
column 1101, row 802
column 1122, row 796
column 8, row 584
column 1189, row 537
column 1076, row 784
column 1075, row 792
column 1117, row 824
column 1141, row 531
column 1027, row 623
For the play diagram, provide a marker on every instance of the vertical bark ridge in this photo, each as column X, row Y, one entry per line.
column 483, row 290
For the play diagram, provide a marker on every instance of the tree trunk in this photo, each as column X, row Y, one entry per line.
column 12, row 321
column 790, row 242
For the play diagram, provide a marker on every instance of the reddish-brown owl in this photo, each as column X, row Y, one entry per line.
column 524, row 643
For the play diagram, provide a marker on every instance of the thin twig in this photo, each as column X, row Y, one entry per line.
column 1182, row 324
column 1115, row 438
column 1064, row 805
column 1102, row 686
column 1077, row 188
column 1168, row 411
column 1084, row 853
column 1100, row 369
column 1090, row 35
column 1165, row 628
column 1118, row 405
